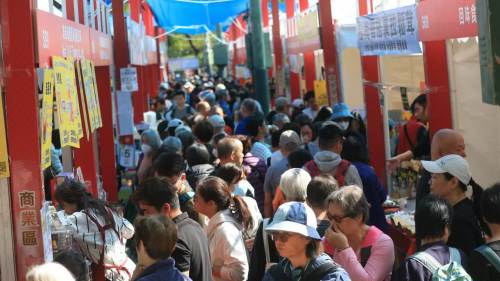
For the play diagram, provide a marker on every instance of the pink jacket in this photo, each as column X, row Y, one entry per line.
column 379, row 264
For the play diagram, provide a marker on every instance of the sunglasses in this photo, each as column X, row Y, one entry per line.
column 281, row 236
column 337, row 219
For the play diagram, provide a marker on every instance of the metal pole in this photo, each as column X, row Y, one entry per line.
column 260, row 79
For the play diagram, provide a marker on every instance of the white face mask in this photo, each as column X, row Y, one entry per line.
column 146, row 148
column 344, row 125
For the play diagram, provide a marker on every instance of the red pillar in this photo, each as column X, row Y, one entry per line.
column 278, row 48
column 330, row 51
column 375, row 120
column 309, row 63
column 70, row 11
column 81, row 15
column 21, row 110
column 120, row 44
column 436, row 78
column 310, row 70
column 106, row 137
column 294, row 77
column 85, row 158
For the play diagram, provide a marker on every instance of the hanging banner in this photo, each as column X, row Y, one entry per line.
column 320, row 92
column 125, row 113
column 83, row 103
column 47, row 113
column 90, row 95
column 447, row 19
column 63, row 99
column 128, row 79
column 305, row 33
column 76, row 119
column 4, row 155
column 392, row 32
column 96, row 96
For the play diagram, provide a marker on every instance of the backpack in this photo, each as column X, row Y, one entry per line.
column 490, row 255
column 276, row 271
column 340, row 171
column 453, row 271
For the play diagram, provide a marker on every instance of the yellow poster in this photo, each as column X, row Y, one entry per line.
column 76, row 120
column 89, row 96
column 79, row 77
column 96, row 97
column 4, row 156
column 47, row 113
column 320, row 92
column 63, row 99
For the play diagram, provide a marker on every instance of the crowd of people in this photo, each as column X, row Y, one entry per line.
column 226, row 193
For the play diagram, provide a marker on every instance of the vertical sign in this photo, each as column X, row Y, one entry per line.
column 64, row 105
column 128, row 78
column 489, row 49
column 4, row 156
column 96, row 96
column 76, row 119
column 47, row 113
column 392, row 32
column 320, row 92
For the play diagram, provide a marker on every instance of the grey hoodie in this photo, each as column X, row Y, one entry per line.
column 328, row 161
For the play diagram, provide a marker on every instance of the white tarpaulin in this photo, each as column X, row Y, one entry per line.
column 478, row 122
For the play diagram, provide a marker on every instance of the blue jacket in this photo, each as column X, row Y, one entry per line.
column 375, row 195
column 338, row 275
column 162, row 271
column 241, row 129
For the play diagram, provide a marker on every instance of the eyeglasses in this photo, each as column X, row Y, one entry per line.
column 281, row 236
column 337, row 219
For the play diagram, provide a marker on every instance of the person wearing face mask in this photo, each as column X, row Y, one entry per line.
column 342, row 115
column 150, row 144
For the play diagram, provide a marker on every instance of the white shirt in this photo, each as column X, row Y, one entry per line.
column 311, row 113
column 86, row 233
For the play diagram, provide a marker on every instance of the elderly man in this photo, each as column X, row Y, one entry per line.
column 444, row 142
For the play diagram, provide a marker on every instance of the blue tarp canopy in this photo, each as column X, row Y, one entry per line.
column 195, row 16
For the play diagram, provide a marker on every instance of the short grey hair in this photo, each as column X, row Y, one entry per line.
column 250, row 105
column 294, row 183
column 281, row 103
column 352, row 201
column 152, row 138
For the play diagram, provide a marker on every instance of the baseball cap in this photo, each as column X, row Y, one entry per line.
column 217, row 121
column 341, row 110
column 453, row 164
column 174, row 123
column 181, row 129
column 188, row 85
column 295, row 217
column 289, row 137
column 172, row 144
column 298, row 103
column 220, row 87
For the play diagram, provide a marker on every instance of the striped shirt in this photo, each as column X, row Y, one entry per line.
column 86, row 233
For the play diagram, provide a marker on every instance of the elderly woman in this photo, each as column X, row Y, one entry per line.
column 293, row 230
column 151, row 143
column 365, row 252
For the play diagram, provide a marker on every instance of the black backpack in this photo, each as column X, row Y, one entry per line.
column 278, row 275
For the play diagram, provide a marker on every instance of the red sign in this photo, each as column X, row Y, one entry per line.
column 447, row 19
column 57, row 36
column 101, row 48
column 295, row 45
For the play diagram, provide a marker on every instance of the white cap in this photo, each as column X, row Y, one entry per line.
column 295, row 217
column 453, row 164
column 298, row 103
column 220, row 87
column 175, row 123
